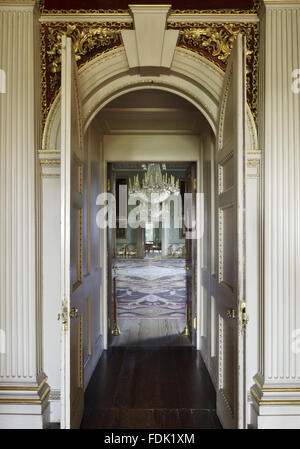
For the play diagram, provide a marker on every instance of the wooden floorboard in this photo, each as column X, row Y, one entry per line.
column 154, row 387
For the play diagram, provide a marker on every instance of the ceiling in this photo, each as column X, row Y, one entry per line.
column 150, row 112
column 123, row 4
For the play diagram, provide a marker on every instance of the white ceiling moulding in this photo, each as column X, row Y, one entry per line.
column 150, row 44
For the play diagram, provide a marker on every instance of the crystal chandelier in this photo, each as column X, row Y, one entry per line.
column 154, row 187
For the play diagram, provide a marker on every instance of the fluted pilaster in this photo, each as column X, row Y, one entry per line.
column 278, row 380
column 21, row 375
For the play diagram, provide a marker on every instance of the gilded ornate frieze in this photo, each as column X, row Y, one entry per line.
column 253, row 10
column 215, row 42
column 90, row 39
column 45, row 10
column 177, row 10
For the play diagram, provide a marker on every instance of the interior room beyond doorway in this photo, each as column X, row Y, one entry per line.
column 150, row 260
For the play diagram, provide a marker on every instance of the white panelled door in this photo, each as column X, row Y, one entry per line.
column 72, row 210
column 230, row 209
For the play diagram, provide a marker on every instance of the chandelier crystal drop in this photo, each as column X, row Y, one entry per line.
column 154, row 187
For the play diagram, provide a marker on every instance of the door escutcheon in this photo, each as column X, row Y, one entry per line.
column 73, row 312
column 231, row 313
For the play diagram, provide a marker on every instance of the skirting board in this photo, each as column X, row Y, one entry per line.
column 13, row 417
column 54, row 400
column 274, row 421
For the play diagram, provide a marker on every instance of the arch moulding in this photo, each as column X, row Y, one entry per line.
column 108, row 76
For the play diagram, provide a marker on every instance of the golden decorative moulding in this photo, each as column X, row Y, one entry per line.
column 215, row 41
column 127, row 11
column 90, row 40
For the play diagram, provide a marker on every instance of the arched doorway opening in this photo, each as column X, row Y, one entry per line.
column 135, row 129
column 107, row 78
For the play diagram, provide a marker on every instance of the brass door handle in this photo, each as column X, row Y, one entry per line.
column 231, row 313
column 115, row 267
column 244, row 316
column 74, row 312
column 187, row 268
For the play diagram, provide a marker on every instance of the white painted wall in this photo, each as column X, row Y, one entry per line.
column 151, row 148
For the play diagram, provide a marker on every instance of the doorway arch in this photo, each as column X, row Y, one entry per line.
column 108, row 76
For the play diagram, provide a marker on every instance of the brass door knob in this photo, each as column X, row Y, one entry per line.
column 115, row 267
column 187, row 268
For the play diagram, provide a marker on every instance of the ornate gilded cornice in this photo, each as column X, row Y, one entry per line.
column 80, row 11
column 253, row 10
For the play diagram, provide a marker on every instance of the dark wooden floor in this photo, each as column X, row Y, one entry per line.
column 150, row 388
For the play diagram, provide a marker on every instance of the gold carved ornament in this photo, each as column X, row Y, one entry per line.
column 84, row 41
column 253, row 10
column 80, row 11
column 215, row 42
column 89, row 40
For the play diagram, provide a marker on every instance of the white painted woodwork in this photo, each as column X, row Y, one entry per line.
column 21, row 366
column 107, row 77
column 254, row 229
column 80, row 270
column 50, row 233
column 192, row 74
column 208, row 316
column 150, row 44
column 230, row 253
column 276, row 393
column 72, row 204
column 275, row 398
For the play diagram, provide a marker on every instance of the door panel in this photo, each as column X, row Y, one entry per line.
column 191, row 249
column 72, row 206
column 230, row 210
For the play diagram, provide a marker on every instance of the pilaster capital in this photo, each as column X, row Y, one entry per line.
column 279, row 4
column 49, row 163
column 20, row 5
